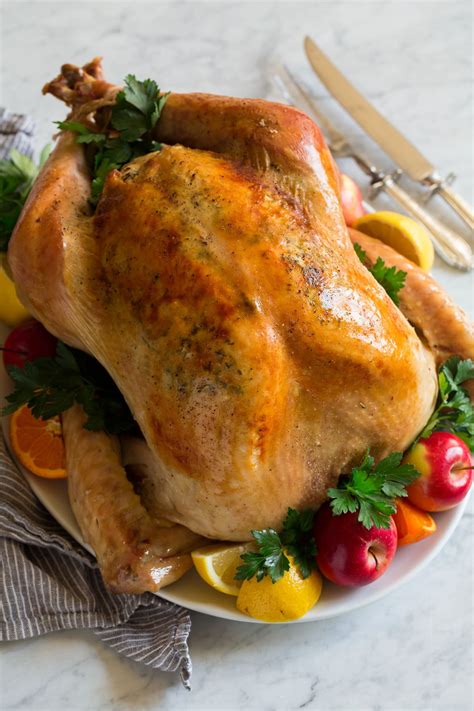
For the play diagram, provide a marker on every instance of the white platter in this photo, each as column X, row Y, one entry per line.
column 193, row 593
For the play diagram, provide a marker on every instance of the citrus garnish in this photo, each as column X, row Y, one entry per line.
column 217, row 565
column 12, row 311
column 400, row 232
column 38, row 444
column 291, row 597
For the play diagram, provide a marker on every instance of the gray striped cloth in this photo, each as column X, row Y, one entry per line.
column 16, row 131
column 48, row 582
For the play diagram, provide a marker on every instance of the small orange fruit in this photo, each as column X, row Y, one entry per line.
column 38, row 444
column 412, row 523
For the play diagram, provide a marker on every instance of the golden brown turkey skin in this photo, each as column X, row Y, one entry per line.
column 439, row 322
column 265, row 359
column 219, row 287
column 134, row 553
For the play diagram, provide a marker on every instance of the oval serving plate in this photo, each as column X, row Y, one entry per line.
column 195, row 594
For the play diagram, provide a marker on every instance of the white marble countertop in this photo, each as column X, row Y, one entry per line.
column 413, row 649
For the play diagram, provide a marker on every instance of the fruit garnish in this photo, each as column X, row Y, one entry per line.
column 371, row 489
column 404, row 235
column 217, row 565
column 271, row 556
column 445, row 465
column 38, row 444
column 412, row 523
column 390, row 278
column 50, row 386
column 291, row 597
column 28, row 342
column 454, row 410
column 351, row 200
column 348, row 552
column 12, row 311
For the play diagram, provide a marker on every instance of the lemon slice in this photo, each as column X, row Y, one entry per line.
column 401, row 233
column 288, row 599
column 12, row 311
column 217, row 565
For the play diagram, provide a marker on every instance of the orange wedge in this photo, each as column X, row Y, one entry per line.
column 412, row 523
column 38, row 444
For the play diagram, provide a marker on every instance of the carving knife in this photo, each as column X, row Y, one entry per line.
column 450, row 247
column 394, row 143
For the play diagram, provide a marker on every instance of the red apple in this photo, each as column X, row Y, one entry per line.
column 28, row 341
column 351, row 200
column 348, row 553
column 445, row 465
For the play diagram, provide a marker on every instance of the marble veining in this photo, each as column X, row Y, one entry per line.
column 413, row 649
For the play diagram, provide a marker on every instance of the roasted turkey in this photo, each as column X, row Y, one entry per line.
column 217, row 283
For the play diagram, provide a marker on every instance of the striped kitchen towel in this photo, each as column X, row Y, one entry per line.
column 16, row 131
column 48, row 582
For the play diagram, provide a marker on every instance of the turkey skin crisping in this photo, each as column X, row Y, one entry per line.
column 217, row 283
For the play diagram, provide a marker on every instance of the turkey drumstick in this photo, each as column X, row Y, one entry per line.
column 133, row 552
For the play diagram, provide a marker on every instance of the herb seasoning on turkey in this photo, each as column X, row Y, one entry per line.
column 301, row 361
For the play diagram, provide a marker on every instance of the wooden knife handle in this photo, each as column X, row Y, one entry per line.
column 449, row 245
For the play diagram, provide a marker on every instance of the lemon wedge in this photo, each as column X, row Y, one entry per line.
column 12, row 311
column 217, row 565
column 400, row 232
column 288, row 599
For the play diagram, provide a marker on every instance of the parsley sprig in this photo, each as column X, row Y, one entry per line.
column 271, row 559
column 17, row 175
column 50, row 386
column 372, row 489
column 135, row 114
column 454, row 410
column 391, row 278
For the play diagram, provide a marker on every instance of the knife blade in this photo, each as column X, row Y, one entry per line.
column 389, row 138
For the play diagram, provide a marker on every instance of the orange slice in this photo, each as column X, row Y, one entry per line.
column 38, row 444
column 412, row 523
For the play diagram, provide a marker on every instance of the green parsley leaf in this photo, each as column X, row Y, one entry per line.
column 84, row 134
column 131, row 123
column 360, row 252
column 271, row 559
column 271, row 548
column 342, row 501
column 135, row 114
column 391, row 278
column 253, row 565
column 297, row 537
column 117, row 152
column 103, row 168
column 140, row 94
column 454, row 410
column 372, row 489
column 50, row 386
column 137, row 109
column 17, row 175
column 20, row 166
column 460, row 370
column 158, row 108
